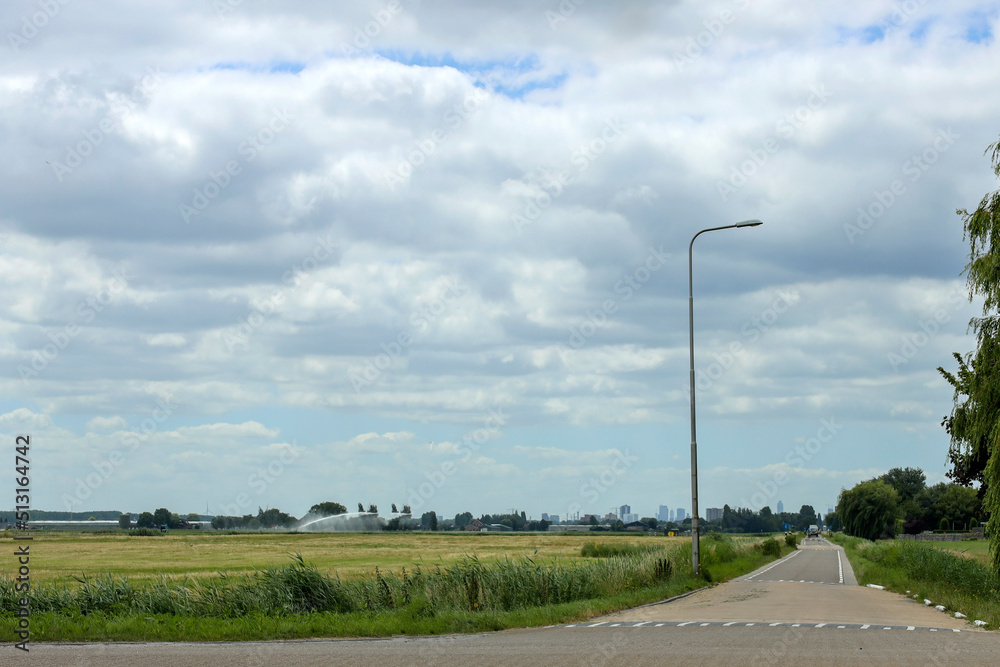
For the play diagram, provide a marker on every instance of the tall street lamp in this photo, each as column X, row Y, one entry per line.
column 695, row 542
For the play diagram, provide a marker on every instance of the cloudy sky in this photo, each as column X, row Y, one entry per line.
column 270, row 254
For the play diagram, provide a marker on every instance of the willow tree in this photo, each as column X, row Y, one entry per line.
column 974, row 424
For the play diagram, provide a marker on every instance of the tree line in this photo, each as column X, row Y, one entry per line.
column 900, row 502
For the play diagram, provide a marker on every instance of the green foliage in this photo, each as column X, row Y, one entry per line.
column 868, row 510
column 145, row 520
column 327, row 509
column 974, row 424
column 908, row 482
column 770, row 547
column 791, row 540
column 124, row 521
column 297, row 588
column 145, row 532
column 606, row 550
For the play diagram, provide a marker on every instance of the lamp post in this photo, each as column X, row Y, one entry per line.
column 695, row 542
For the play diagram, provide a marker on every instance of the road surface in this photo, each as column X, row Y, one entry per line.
column 805, row 607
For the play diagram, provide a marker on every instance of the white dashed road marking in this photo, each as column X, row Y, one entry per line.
column 728, row 624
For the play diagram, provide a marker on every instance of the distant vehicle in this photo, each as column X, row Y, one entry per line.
column 813, row 531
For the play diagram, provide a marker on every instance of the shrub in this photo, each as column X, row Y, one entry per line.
column 791, row 541
column 770, row 547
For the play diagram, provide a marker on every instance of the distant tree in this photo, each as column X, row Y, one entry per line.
column 833, row 521
column 175, row 520
column 650, row 522
column 462, row 520
column 908, row 482
column 124, row 521
column 394, row 510
column 361, row 508
column 161, row 517
column 274, row 517
column 434, row 521
column 869, row 509
column 593, row 520
column 958, row 505
column 328, row 509
column 426, row 520
column 406, row 509
column 193, row 516
column 807, row 517
column 393, row 524
column 373, row 509
column 146, row 520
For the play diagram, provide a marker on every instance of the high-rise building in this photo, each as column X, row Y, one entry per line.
column 663, row 514
column 624, row 511
column 781, row 507
column 680, row 515
column 713, row 513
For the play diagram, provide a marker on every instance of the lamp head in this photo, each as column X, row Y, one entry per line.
column 749, row 223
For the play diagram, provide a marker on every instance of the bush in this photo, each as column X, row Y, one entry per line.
column 770, row 547
column 144, row 532
column 791, row 540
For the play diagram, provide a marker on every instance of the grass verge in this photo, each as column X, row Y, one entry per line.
column 960, row 584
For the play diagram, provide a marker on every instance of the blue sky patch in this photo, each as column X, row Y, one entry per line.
column 513, row 77
column 278, row 67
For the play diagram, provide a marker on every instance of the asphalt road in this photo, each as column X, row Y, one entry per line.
column 794, row 610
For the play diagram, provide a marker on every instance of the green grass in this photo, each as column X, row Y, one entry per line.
column 929, row 571
column 299, row 600
column 976, row 549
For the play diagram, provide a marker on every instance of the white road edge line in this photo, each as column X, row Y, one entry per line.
column 774, row 565
column 840, row 566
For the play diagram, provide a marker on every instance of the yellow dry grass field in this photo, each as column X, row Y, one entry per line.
column 59, row 556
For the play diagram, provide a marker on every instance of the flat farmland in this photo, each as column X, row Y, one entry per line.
column 977, row 549
column 61, row 556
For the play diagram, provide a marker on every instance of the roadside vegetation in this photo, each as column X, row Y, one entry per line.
column 297, row 599
column 927, row 571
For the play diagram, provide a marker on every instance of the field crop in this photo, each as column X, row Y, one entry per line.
column 62, row 556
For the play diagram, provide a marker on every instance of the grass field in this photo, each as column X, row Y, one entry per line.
column 60, row 556
column 978, row 549
column 350, row 584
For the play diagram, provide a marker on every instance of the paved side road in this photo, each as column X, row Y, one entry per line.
column 559, row 647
